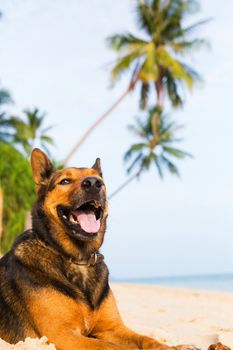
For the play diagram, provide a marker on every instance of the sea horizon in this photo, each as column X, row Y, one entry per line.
column 215, row 282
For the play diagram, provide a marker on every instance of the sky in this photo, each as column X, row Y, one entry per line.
column 53, row 55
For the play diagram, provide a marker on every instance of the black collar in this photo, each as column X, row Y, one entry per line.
column 94, row 259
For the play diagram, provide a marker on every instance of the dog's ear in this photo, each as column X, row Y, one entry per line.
column 97, row 167
column 42, row 168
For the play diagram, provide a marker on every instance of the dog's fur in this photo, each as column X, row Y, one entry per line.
column 48, row 285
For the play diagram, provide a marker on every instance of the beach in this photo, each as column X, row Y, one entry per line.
column 177, row 316
column 171, row 315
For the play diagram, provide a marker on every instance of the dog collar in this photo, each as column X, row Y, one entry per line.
column 93, row 260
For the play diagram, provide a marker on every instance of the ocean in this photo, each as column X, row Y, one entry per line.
column 223, row 282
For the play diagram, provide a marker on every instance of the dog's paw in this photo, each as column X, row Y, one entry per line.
column 152, row 344
column 185, row 347
column 218, row 346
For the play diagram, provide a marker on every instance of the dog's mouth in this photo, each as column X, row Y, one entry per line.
column 85, row 218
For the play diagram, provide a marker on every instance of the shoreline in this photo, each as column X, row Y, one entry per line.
column 158, row 285
column 222, row 282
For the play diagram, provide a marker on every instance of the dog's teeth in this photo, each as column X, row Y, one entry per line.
column 72, row 219
column 96, row 205
column 64, row 216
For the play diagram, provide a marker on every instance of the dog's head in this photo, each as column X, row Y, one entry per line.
column 73, row 200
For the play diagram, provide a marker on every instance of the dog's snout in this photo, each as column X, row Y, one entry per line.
column 92, row 184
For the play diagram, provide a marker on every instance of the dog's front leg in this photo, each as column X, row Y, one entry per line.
column 62, row 321
column 110, row 327
column 128, row 339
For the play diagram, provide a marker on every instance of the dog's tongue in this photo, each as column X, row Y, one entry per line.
column 87, row 221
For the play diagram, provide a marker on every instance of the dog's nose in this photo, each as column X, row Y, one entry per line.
column 92, row 184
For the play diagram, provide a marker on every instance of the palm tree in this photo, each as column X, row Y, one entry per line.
column 156, row 147
column 27, row 133
column 155, row 60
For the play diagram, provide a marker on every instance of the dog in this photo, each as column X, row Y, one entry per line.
column 54, row 281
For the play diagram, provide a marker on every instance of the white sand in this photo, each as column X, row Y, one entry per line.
column 173, row 316
column 28, row 344
column 177, row 316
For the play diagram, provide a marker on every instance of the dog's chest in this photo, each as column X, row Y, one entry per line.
column 90, row 282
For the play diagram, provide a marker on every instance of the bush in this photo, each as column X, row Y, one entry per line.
column 18, row 193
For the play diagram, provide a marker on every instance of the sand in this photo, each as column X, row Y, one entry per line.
column 177, row 316
column 28, row 344
column 173, row 316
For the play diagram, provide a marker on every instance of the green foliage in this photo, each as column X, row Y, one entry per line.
column 157, row 59
column 18, row 193
column 157, row 137
column 5, row 99
column 27, row 132
column 5, row 128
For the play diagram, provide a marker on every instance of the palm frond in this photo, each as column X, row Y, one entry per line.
column 173, row 91
column 136, row 161
column 175, row 152
column 124, row 64
column 193, row 27
column 133, row 149
column 145, row 16
column 158, row 166
column 192, row 73
column 177, row 69
column 170, row 165
column 47, row 139
column 166, row 127
column 127, row 41
column 155, row 5
column 185, row 46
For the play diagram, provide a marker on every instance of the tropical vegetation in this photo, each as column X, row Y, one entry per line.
column 154, row 58
column 18, row 193
column 157, row 146
column 30, row 131
column 5, row 99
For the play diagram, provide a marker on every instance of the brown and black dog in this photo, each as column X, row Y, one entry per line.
column 54, row 282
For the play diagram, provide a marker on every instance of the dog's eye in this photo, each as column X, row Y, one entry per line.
column 65, row 182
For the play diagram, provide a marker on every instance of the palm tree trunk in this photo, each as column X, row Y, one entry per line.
column 28, row 221
column 126, row 183
column 95, row 124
